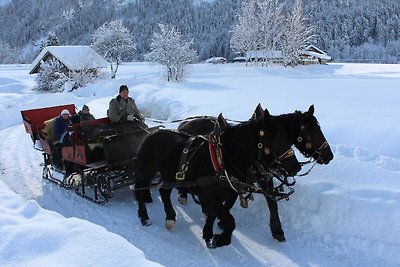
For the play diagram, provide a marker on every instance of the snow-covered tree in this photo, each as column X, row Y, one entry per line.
column 51, row 77
column 7, row 54
column 298, row 34
column 114, row 41
column 259, row 27
column 51, row 40
column 170, row 49
column 245, row 32
column 271, row 20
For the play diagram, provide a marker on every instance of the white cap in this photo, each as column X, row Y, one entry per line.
column 65, row 112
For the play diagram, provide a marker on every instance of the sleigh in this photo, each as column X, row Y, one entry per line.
column 97, row 157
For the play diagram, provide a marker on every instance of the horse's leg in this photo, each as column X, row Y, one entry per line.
column 274, row 221
column 228, row 221
column 182, row 195
column 143, row 196
column 168, row 208
column 143, row 178
column 213, row 206
column 228, row 205
column 208, row 233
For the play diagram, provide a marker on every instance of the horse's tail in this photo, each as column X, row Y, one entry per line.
column 145, row 170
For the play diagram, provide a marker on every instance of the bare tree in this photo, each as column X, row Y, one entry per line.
column 113, row 41
column 271, row 20
column 169, row 49
column 245, row 32
column 298, row 34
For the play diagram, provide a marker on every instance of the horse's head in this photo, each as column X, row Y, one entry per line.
column 274, row 144
column 310, row 140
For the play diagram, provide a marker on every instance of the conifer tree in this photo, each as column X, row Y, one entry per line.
column 51, row 77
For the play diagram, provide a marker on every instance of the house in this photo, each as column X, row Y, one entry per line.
column 216, row 60
column 313, row 55
column 274, row 56
column 239, row 59
column 74, row 58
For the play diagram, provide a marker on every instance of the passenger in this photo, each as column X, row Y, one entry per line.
column 61, row 126
column 85, row 115
column 123, row 108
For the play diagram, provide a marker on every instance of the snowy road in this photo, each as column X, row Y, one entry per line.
column 342, row 214
column 252, row 243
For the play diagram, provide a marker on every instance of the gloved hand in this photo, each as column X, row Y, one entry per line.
column 131, row 117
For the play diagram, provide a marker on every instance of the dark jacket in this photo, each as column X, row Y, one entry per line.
column 60, row 126
column 85, row 116
column 119, row 109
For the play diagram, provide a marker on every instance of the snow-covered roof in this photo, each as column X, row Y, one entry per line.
column 239, row 59
column 317, row 55
column 314, row 51
column 215, row 60
column 73, row 57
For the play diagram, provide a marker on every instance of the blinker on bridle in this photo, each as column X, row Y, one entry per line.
column 318, row 150
column 287, row 154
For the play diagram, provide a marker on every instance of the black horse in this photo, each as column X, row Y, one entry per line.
column 302, row 130
column 259, row 140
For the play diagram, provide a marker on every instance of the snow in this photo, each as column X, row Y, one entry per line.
column 345, row 213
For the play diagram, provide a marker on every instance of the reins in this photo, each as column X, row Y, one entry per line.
column 189, row 119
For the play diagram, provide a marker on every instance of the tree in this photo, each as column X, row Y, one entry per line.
column 7, row 54
column 169, row 49
column 51, row 40
column 271, row 20
column 245, row 32
column 51, row 77
column 114, row 42
column 259, row 27
column 298, row 34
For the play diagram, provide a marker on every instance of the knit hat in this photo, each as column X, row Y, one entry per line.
column 123, row 88
column 85, row 107
column 65, row 112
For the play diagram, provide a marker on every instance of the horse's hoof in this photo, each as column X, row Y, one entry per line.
column 219, row 241
column 279, row 237
column 211, row 244
column 170, row 224
column 146, row 222
column 182, row 200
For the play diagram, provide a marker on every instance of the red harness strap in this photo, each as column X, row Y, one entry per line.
column 213, row 153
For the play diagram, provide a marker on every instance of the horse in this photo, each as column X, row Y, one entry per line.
column 302, row 130
column 259, row 140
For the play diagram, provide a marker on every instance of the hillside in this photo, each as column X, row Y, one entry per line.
column 368, row 31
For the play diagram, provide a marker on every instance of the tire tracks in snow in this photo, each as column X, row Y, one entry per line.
column 20, row 163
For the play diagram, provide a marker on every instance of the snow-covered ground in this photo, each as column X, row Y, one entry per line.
column 346, row 213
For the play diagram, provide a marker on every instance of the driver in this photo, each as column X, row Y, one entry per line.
column 123, row 108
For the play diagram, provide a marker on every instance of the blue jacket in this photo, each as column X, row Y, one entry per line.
column 60, row 127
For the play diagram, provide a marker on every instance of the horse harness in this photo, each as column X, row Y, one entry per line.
column 221, row 174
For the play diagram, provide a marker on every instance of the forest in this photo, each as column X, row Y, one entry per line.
column 348, row 30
